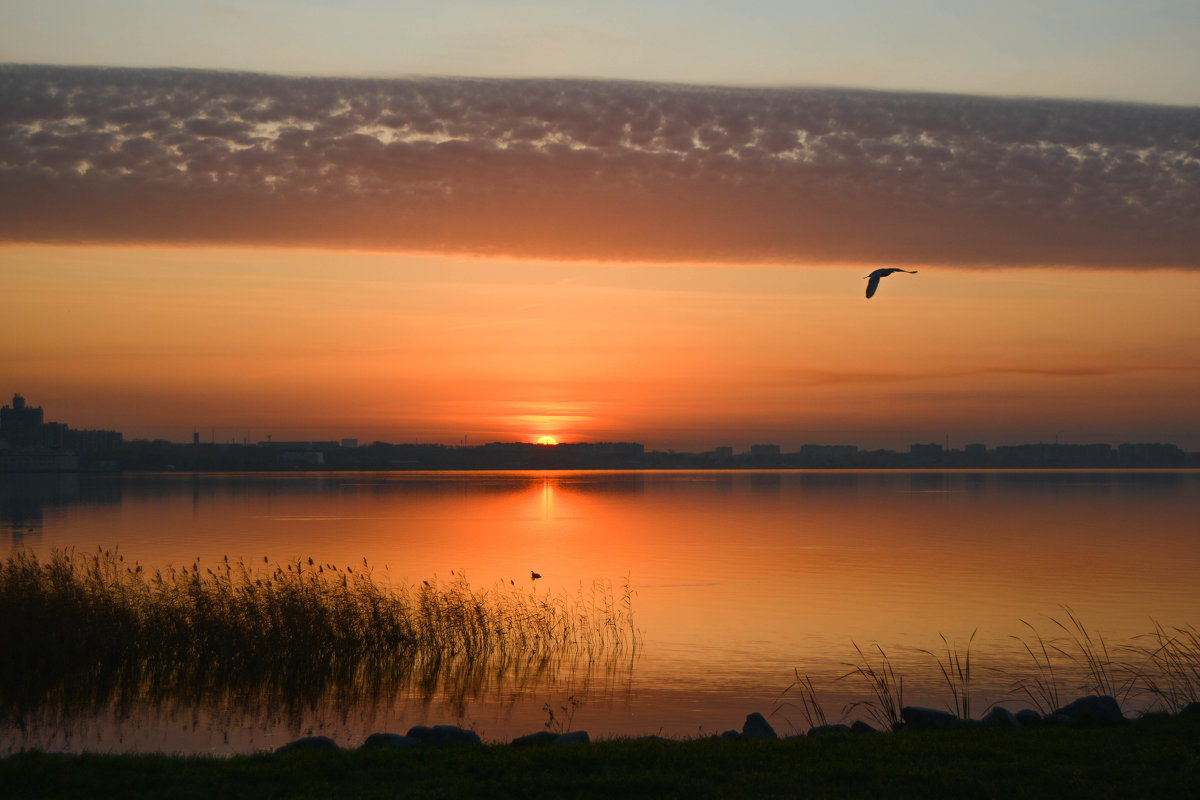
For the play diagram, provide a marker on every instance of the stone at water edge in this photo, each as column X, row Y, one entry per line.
column 1029, row 718
column 1001, row 718
column 757, row 727
column 309, row 743
column 445, row 736
column 917, row 718
column 574, row 737
column 535, row 739
column 381, row 741
column 1092, row 711
column 825, row 730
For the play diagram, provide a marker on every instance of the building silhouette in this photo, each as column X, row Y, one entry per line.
column 30, row 444
column 20, row 424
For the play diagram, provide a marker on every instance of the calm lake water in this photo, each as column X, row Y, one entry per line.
column 740, row 578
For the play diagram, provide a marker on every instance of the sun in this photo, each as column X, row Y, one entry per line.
column 547, row 440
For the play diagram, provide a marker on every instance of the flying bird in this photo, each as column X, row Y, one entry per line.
column 882, row 272
column 533, row 576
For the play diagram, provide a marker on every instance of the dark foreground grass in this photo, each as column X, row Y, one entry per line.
column 1153, row 757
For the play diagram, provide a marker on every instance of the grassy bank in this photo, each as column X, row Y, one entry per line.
column 1156, row 756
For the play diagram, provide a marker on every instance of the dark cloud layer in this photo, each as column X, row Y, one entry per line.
column 550, row 168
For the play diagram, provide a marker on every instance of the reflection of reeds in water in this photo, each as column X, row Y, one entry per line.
column 86, row 632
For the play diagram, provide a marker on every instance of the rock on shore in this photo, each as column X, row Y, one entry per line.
column 1091, row 711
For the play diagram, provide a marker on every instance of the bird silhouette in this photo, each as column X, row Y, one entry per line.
column 882, row 272
column 533, row 576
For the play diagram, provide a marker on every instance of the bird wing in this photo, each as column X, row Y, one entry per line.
column 872, row 285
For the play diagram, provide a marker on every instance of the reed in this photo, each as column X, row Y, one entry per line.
column 1091, row 650
column 1159, row 671
column 1041, row 688
column 1169, row 671
column 887, row 689
column 1083, row 653
column 561, row 723
column 956, row 671
column 809, row 706
column 92, row 630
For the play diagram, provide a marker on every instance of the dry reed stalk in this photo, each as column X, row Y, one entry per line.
column 885, row 686
column 956, row 671
column 809, row 708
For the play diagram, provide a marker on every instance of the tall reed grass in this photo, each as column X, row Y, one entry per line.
column 1158, row 671
column 807, row 703
column 90, row 631
column 956, row 671
column 1170, row 670
column 886, row 687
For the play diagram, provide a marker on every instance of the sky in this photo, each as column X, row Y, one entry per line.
column 1083, row 49
column 499, row 221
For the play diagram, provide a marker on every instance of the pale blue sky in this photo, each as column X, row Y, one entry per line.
column 1094, row 49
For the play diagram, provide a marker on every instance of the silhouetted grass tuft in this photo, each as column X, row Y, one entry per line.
column 1159, row 671
column 1042, row 687
column 1082, row 653
column 886, row 688
column 87, row 631
column 1103, row 673
column 956, row 670
column 809, row 707
column 1170, row 672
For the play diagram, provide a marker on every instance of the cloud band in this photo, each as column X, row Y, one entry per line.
column 588, row 169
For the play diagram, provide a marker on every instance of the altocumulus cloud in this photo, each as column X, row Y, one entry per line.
column 589, row 169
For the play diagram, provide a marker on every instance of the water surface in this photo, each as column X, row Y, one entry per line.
column 739, row 577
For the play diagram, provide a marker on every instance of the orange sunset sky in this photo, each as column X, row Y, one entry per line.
column 259, row 251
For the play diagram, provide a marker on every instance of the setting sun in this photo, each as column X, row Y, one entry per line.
column 547, row 440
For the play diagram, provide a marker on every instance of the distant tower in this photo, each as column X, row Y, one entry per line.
column 195, row 438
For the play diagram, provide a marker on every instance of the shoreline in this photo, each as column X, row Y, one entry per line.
column 1157, row 755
